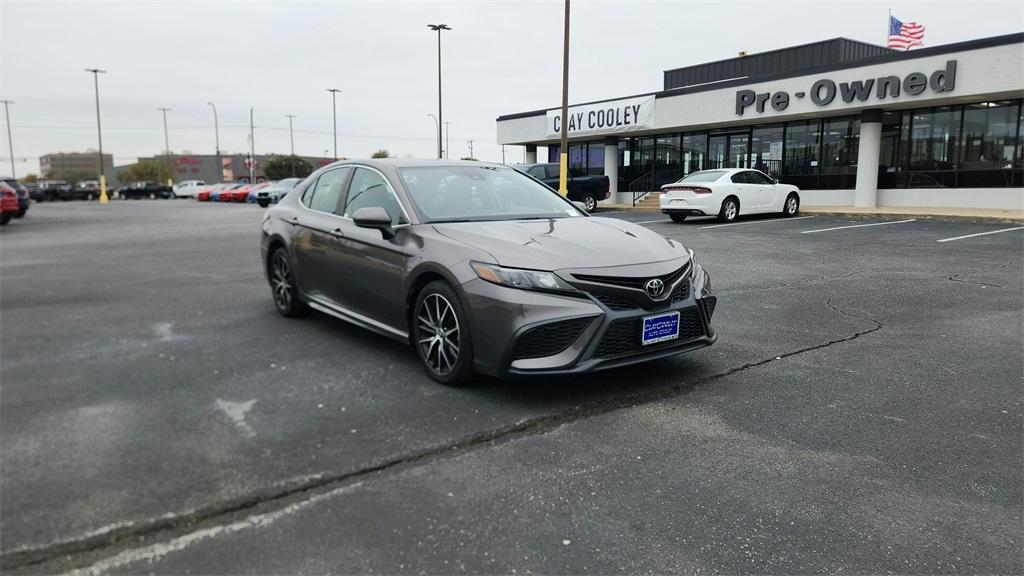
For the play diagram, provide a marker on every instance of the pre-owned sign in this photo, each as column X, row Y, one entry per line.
column 824, row 91
column 604, row 118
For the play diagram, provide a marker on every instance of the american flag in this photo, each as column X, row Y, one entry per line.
column 904, row 35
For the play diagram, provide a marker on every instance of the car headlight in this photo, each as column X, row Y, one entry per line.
column 520, row 278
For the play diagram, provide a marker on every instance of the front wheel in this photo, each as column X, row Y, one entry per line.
column 678, row 217
column 440, row 333
column 730, row 210
column 5, row 218
column 282, row 284
column 792, row 205
column 263, row 203
column 589, row 202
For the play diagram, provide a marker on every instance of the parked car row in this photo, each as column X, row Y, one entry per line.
column 262, row 193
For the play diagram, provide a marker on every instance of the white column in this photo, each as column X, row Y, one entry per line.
column 531, row 153
column 611, row 167
column 866, row 193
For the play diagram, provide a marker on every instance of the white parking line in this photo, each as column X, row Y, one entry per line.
column 650, row 221
column 858, row 226
column 755, row 222
column 981, row 234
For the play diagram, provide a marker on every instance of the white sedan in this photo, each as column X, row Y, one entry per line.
column 188, row 188
column 726, row 193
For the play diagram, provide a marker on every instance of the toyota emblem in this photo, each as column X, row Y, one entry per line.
column 654, row 287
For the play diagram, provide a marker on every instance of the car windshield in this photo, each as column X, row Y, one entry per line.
column 475, row 193
column 705, row 176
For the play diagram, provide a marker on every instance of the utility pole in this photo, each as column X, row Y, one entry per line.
column 334, row 107
column 99, row 131
column 502, row 153
column 291, row 137
column 470, row 142
column 216, row 135
column 252, row 151
column 167, row 145
column 447, row 134
column 563, row 149
column 440, row 117
column 10, row 142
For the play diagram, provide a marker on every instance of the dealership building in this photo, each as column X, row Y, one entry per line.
column 850, row 123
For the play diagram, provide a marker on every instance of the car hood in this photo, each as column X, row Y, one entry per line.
column 565, row 242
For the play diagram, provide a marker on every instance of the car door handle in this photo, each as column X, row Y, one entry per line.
column 338, row 232
column 294, row 220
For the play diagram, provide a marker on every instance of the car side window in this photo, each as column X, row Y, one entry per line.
column 537, row 172
column 369, row 188
column 323, row 196
column 759, row 178
column 740, row 178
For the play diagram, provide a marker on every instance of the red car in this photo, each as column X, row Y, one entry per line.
column 230, row 194
column 239, row 196
column 8, row 203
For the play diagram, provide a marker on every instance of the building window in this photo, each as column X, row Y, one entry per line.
column 840, row 139
column 766, row 149
column 667, row 165
column 694, row 152
column 800, row 153
column 595, row 158
column 988, row 144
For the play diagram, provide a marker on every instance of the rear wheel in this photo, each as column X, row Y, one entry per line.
column 730, row 210
column 440, row 332
column 792, row 205
column 678, row 217
column 282, row 284
column 263, row 203
column 589, row 202
column 21, row 212
column 5, row 218
column 89, row 197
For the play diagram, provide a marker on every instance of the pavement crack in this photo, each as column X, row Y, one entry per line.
column 82, row 552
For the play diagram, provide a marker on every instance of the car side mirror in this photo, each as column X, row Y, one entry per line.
column 374, row 217
column 581, row 206
column 775, row 180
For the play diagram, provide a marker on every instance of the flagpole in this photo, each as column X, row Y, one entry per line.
column 888, row 27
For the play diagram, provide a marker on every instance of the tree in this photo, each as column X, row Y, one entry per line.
column 280, row 167
column 155, row 170
column 382, row 153
column 29, row 179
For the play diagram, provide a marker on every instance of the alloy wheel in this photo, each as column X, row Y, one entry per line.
column 589, row 203
column 438, row 333
column 791, row 205
column 730, row 210
column 281, row 281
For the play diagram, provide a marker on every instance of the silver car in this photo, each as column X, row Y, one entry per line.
column 482, row 269
column 272, row 194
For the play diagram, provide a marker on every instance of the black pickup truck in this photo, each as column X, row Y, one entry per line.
column 585, row 189
column 146, row 189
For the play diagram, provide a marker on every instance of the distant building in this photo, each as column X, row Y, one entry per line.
column 233, row 166
column 61, row 164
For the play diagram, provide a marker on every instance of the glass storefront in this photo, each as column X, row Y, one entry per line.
column 974, row 145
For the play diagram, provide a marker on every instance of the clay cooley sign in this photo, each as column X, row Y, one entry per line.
column 604, row 117
column 824, row 91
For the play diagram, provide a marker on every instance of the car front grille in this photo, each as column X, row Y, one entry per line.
column 549, row 339
column 681, row 293
column 624, row 336
column 614, row 304
column 632, row 281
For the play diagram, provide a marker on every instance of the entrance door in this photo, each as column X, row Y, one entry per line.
column 728, row 150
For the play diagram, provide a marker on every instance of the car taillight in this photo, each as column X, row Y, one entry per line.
column 694, row 189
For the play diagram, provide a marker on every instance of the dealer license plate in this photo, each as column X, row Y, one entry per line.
column 660, row 328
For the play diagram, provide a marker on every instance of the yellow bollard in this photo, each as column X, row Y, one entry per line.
column 563, row 174
column 103, row 190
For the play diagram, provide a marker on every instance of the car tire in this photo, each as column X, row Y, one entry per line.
column 678, row 217
column 791, row 206
column 5, row 218
column 730, row 209
column 89, row 197
column 437, row 315
column 21, row 213
column 263, row 203
column 589, row 202
column 284, row 291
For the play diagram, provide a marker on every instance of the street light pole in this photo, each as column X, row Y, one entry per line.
column 437, row 129
column 252, row 150
column 167, row 144
column 99, row 131
column 447, row 135
column 334, row 108
column 10, row 141
column 440, row 116
column 216, row 135
column 563, row 150
column 291, row 137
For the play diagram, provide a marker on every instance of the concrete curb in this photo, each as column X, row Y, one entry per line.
column 949, row 217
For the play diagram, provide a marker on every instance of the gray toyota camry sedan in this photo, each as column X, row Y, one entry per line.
column 482, row 269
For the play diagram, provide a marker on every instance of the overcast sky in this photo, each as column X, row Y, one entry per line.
column 280, row 57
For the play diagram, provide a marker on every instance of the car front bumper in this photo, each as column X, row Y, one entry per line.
column 529, row 333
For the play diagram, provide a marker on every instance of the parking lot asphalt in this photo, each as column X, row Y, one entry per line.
column 860, row 412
